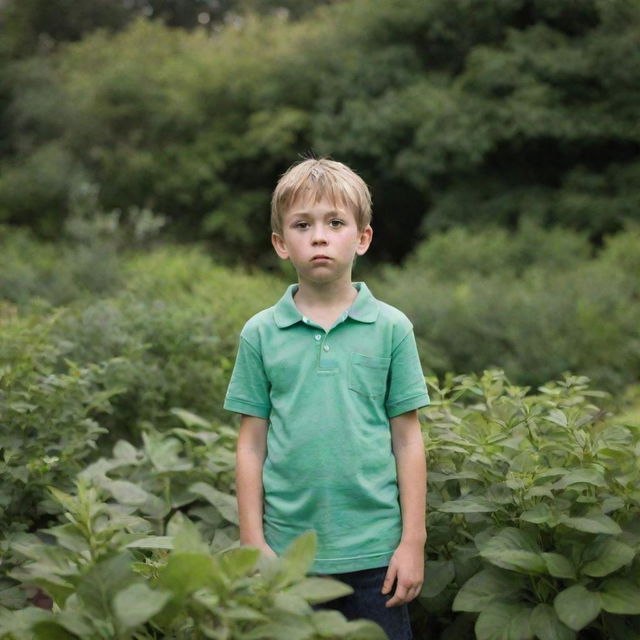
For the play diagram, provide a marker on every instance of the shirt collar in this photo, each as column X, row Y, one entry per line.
column 363, row 309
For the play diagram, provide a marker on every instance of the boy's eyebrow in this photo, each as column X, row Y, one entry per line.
column 327, row 214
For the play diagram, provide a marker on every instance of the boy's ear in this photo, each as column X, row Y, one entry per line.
column 278, row 244
column 366, row 235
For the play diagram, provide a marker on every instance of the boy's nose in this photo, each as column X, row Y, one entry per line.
column 318, row 236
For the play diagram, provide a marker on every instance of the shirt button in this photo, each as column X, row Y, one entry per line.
column 318, row 336
column 305, row 319
column 326, row 347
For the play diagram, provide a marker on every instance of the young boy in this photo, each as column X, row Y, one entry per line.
column 328, row 382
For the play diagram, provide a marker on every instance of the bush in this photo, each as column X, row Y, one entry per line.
column 170, row 336
column 48, row 411
column 534, row 512
column 103, row 562
column 528, row 302
column 55, row 274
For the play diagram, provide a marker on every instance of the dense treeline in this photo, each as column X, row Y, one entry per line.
column 29, row 25
column 454, row 112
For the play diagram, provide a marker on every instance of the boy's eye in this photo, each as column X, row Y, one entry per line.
column 301, row 225
column 336, row 223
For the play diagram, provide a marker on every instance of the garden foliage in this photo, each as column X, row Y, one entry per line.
column 533, row 532
column 108, row 579
column 534, row 512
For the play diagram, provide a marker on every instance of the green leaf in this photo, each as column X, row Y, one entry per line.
column 331, row 624
column 486, row 586
column 125, row 451
column 190, row 419
column 298, row 556
column 515, row 550
column 185, row 535
column 546, row 625
column 51, row 630
column 501, row 621
column 540, row 514
column 558, row 417
column 238, row 563
column 438, row 574
column 301, row 631
column 126, row 492
column 291, row 604
column 19, row 623
column 592, row 524
column 577, row 607
column 165, row 453
column 184, row 573
column 620, row 596
column 468, row 505
column 521, row 561
column 68, row 502
column 70, row 537
column 151, row 542
column 559, row 566
column 98, row 587
column 223, row 502
column 613, row 555
column 315, row 590
column 581, row 476
column 137, row 603
column 365, row 630
column 12, row 596
column 239, row 612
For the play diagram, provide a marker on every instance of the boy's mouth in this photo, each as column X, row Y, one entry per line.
column 320, row 258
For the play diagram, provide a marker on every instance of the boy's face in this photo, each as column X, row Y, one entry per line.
column 321, row 239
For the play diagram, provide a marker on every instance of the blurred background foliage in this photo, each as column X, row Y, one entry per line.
column 457, row 113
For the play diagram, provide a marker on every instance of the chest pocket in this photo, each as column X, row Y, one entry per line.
column 367, row 375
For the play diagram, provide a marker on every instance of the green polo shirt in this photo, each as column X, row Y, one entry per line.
column 328, row 397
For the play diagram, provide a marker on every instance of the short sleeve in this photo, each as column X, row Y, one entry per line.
column 249, row 387
column 407, row 389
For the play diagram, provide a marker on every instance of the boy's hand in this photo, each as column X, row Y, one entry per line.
column 267, row 550
column 407, row 567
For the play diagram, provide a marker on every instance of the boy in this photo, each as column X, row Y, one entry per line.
column 328, row 382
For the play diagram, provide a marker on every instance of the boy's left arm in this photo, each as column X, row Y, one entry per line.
column 407, row 563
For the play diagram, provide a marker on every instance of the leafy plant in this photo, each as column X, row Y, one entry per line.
column 188, row 468
column 48, row 409
column 108, row 579
column 534, row 518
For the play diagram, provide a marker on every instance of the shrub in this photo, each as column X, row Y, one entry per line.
column 103, row 562
column 528, row 303
column 534, row 512
column 48, row 409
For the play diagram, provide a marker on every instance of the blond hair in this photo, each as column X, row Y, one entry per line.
column 322, row 178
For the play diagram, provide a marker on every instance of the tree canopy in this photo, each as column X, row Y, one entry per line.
column 455, row 112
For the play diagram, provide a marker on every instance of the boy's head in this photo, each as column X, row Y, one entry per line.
column 321, row 179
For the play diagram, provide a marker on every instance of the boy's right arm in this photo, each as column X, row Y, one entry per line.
column 250, row 455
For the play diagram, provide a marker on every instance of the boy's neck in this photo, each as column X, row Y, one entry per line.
column 325, row 302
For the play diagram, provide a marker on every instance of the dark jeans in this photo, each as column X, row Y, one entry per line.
column 367, row 601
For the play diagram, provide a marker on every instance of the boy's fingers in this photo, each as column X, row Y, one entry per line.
column 403, row 594
column 389, row 579
column 399, row 597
